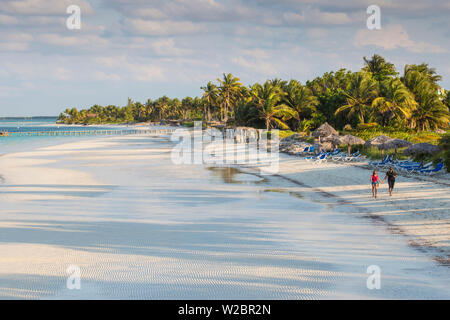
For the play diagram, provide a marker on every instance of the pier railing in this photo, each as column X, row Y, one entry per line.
column 83, row 132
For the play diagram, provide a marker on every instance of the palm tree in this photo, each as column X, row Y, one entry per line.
column 279, row 83
column 230, row 90
column 360, row 93
column 379, row 67
column 299, row 98
column 186, row 105
column 430, row 113
column 211, row 92
column 141, row 111
column 446, row 98
column 161, row 107
column 424, row 70
column 267, row 99
column 396, row 101
column 149, row 108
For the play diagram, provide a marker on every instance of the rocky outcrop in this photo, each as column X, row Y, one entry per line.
column 294, row 144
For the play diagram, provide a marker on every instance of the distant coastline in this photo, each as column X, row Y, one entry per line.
column 29, row 118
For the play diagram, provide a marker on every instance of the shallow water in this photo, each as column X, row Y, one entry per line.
column 48, row 124
column 149, row 229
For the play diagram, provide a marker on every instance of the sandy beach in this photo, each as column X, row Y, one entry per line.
column 139, row 227
column 418, row 209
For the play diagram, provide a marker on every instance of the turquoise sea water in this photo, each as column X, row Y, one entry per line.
column 26, row 143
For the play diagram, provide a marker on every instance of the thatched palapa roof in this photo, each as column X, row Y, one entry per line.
column 422, row 148
column 350, row 140
column 324, row 131
column 378, row 140
column 394, row 144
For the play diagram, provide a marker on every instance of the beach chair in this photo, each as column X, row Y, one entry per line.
column 357, row 156
column 312, row 158
column 410, row 165
column 375, row 163
column 384, row 163
column 306, row 150
column 352, row 157
column 430, row 172
column 341, row 156
column 333, row 153
column 320, row 159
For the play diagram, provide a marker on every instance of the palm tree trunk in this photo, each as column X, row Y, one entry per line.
column 209, row 112
column 225, row 113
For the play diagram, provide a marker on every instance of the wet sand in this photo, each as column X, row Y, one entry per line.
column 139, row 227
column 419, row 208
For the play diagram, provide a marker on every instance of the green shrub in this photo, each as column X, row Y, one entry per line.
column 408, row 135
column 285, row 133
column 365, row 126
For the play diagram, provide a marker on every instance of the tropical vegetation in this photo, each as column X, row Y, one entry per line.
column 377, row 97
column 375, row 100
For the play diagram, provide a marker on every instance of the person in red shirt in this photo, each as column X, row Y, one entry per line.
column 375, row 181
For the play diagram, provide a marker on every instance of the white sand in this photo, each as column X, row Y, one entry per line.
column 140, row 227
column 419, row 207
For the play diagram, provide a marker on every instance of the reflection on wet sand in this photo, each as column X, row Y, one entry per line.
column 291, row 193
column 235, row 176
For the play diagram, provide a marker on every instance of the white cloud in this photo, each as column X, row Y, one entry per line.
column 43, row 7
column 150, row 13
column 255, row 60
column 62, row 73
column 103, row 76
column 14, row 46
column 167, row 47
column 147, row 72
column 392, row 37
column 317, row 17
column 15, row 41
column 135, row 70
column 189, row 10
column 317, row 33
column 161, row 28
column 163, row 47
column 256, row 53
column 82, row 41
column 8, row 20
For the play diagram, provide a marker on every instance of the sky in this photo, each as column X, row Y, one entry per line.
column 149, row 48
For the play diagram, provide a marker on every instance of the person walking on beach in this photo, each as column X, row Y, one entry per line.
column 375, row 181
column 390, row 175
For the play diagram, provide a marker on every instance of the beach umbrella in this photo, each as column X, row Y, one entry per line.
column 330, row 142
column 422, row 148
column 350, row 140
column 378, row 140
column 324, row 130
column 394, row 144
column 375, row 142
column 331, row 138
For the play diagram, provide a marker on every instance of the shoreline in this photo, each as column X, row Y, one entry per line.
column 398, row 214
column 318, row 193
column 264, row 245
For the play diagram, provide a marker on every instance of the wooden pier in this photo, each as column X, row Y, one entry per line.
column 58, row 133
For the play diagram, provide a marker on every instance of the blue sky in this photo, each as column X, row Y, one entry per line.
column 149, row 48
